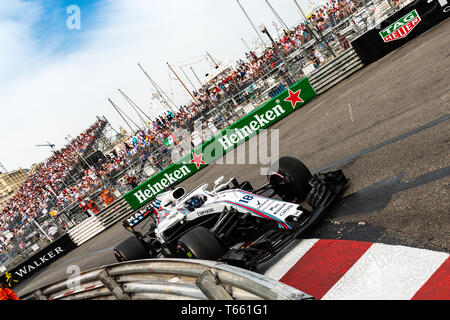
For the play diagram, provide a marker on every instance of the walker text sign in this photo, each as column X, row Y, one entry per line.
column 228, row 139
column 401, row 28
column 38, row 261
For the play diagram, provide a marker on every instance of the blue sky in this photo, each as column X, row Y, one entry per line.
column 51, row 27
column 49, row 30
column 54, row 81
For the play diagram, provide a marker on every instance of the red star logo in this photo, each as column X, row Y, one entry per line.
column 294, row 97
column 197, row 159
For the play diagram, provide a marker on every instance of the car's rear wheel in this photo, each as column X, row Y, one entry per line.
column 200, row 243
column 131, row 249
column 289, row 178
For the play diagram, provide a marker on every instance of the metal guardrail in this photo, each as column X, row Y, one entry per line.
column 168, row 279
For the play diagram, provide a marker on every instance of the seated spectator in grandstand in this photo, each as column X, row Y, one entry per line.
column 92, row 205
column 343, row 41
column 84, row 207
column 131, row 181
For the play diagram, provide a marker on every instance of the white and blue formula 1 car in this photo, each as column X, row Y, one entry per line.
column 234, row 223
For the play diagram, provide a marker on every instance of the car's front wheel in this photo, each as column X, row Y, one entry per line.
column 289, row 178
column 131, row 249
column 200, row 243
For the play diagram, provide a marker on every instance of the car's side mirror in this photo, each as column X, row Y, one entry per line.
column 178, row 193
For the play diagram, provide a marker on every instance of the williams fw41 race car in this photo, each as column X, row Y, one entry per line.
column 235, row 222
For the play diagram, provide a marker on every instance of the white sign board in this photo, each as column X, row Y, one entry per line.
column 8, row 234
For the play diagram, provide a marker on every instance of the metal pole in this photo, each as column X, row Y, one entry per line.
column 81, row 156
column 107, row 121
column 211, row 287
column 112, row 286
column 254, row 28
column 187, row 78
column 309, row 29
column 245, row 43
column 135, row 107
column 301, row 10
column 281, row 54
column 201, row 84
column 159, row 90
column 120, row 113
column 212, row 60
column 42, row 230
column 158, row 94
column 277, row 16
column 182, row 83
column 39, row 296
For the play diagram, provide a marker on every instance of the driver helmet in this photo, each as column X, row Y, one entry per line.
column 195, row 202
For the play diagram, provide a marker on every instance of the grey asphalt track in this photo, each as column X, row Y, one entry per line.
column 387, row 126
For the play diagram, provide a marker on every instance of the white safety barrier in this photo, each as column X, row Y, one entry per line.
column 335, row 71
column 86, row 230
column 92, row 226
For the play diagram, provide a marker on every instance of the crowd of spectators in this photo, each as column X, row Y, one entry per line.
column 333, row 12
column 244, row 72
column 45, row 186
column 51, row 184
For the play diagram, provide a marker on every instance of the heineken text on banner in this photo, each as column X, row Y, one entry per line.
column 229, row 138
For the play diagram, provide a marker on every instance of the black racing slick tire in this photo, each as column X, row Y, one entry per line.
column 131, row 249
column 290, row 179
column 200, row 243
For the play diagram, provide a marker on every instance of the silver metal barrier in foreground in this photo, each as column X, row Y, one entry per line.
column 168, row 279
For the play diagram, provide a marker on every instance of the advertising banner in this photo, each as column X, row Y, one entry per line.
column 38, row 261
column 228, row 139
column 402, row 27
column 399, row 28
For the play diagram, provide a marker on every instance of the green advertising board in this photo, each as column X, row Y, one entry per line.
column 228, row 139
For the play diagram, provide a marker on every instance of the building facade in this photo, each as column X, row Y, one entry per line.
column 9, row 183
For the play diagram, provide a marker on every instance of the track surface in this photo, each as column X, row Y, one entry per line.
column 387, row 127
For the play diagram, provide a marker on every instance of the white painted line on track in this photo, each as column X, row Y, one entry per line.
column 350, row 112
column 314, row 108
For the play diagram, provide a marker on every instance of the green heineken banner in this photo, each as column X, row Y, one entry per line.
column 229, row 138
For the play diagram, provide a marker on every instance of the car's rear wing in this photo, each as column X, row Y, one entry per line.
column 138, row 217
